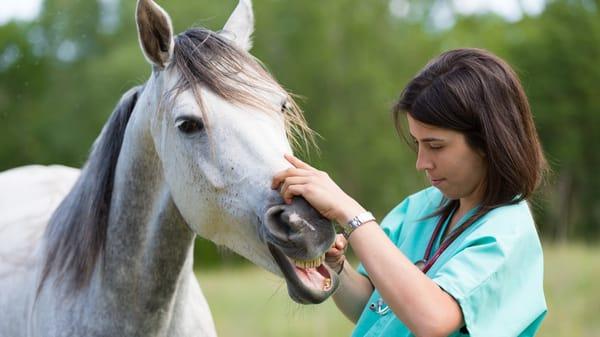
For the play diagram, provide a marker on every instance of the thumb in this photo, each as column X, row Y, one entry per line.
column 340, row 242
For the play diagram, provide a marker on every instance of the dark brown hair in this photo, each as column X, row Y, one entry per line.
column 477, row 94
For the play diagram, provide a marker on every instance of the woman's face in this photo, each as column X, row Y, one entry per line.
column 451, row 165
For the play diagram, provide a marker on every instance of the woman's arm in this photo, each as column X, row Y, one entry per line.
column 354, row 289
column 414, row 298
column 353, row 293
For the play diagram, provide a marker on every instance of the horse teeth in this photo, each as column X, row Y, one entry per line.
column 327, row 284
column 310, row 263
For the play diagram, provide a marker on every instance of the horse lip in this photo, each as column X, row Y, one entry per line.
column 296, row 289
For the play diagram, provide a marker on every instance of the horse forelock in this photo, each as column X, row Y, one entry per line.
column 205, row 58
column 76, row 232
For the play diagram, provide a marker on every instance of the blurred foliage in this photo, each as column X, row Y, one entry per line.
column 61, row 75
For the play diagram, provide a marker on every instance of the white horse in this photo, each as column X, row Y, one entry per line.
column 191, row 152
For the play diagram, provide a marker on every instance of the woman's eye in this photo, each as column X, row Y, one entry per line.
column 435, row 147
column 189, row 125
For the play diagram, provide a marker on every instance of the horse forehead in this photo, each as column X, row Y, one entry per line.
column 231, row 115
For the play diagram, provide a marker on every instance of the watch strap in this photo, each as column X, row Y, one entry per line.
column 356, row 222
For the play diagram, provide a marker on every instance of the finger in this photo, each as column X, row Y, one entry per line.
column 333, row 251
column 334, row 259
column 335, row 264
column 333, row 254
column 292, row 191
column 281, row 176
column 338, row 247
column 297, row 162
column 340, row 242
column 290, row 181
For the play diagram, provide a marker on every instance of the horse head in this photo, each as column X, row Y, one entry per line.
column 220, row 125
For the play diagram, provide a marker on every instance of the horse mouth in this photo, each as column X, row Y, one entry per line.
column 308, row 281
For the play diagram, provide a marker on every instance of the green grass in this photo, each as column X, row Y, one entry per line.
column 572, row 286
column 246, row 301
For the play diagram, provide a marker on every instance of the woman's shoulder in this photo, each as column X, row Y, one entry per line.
column 507, row 225
column 515, row 217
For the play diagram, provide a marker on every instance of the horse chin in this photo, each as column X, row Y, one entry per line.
column 311, row 285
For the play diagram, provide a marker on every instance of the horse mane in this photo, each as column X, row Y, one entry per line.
column 76, row 232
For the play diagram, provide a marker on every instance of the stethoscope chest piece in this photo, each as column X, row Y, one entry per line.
column 379, row 307
column 421, row 264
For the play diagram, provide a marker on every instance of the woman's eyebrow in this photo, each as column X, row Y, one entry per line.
column 432, row 139
column 427, row 139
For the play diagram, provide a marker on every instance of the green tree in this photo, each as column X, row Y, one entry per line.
column 560, row 54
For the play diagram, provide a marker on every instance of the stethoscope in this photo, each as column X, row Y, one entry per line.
column 379, row 307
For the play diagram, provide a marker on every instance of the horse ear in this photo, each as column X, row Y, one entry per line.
column 240, row 25
column 155, row 32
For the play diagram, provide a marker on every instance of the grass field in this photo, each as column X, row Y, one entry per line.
column 247, row 301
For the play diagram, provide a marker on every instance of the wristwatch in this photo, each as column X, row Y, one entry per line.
column 356, row 222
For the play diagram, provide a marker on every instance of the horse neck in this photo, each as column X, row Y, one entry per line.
column 148, row 252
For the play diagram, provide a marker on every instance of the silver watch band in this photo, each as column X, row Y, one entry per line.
column 356, row 222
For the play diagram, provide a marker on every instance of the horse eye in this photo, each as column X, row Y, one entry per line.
column 189, row 125
column 285, row 107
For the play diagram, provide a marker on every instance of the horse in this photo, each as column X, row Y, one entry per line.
column 192, row 151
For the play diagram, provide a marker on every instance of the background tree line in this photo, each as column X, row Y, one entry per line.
column 62, row 74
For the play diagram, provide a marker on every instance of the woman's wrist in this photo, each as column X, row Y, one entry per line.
column 348, row 212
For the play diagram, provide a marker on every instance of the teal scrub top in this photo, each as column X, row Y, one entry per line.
column 494, row 269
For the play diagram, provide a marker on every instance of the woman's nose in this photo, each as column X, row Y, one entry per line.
column 423, row 162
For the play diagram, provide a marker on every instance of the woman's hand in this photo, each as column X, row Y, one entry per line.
column 336, row 255
column 318, row 189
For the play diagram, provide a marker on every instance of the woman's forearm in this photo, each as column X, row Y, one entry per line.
column 353, row 293
column 415, row 299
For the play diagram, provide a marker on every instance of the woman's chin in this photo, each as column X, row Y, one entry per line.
column 448, row 194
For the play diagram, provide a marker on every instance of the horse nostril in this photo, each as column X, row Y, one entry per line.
column 298, row 229
column 277, row 223
column 287, row 221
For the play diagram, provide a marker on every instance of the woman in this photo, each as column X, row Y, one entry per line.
column 461, row 257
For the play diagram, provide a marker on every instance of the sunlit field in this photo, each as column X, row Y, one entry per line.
column 247, row 301
column 572, row 281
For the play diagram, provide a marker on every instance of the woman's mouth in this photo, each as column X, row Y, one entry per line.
column 436, row 182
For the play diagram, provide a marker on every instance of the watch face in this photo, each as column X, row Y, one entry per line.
column 364, row 217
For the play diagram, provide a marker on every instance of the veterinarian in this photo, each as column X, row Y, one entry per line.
column 463, row 256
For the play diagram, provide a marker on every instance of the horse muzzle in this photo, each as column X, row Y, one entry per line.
column 298, row 238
